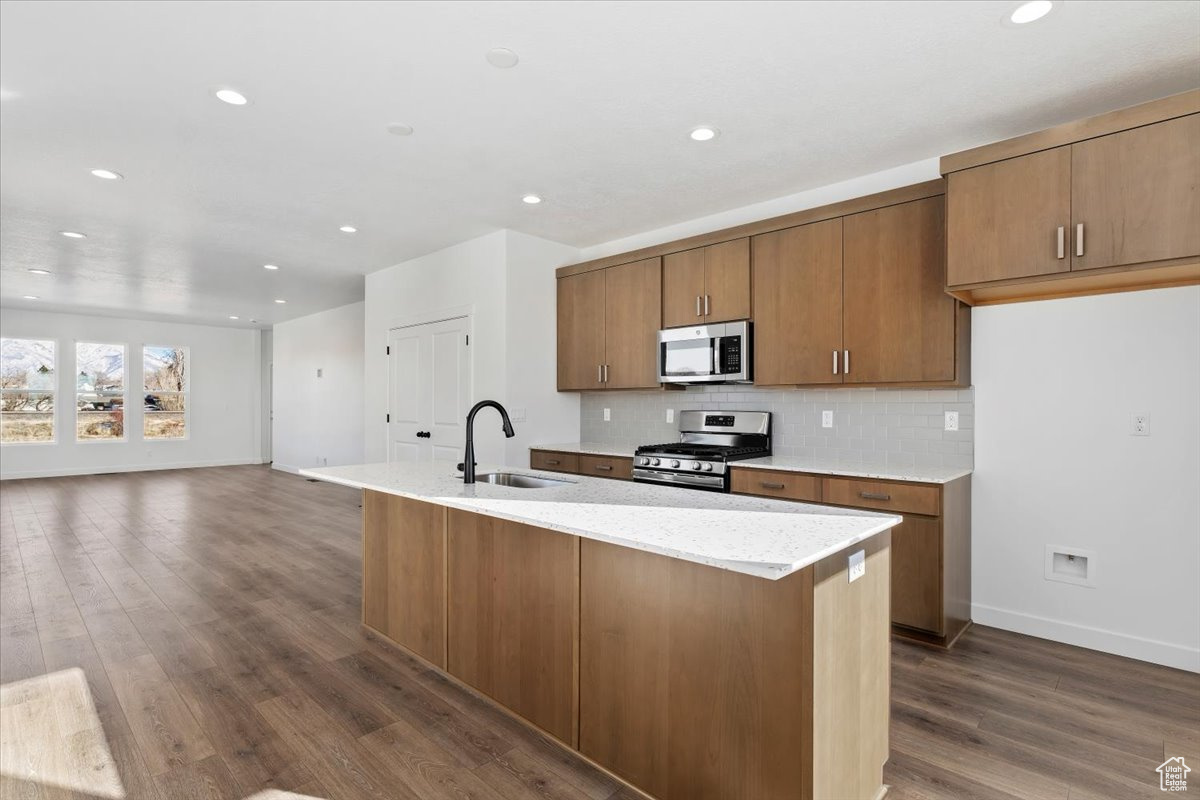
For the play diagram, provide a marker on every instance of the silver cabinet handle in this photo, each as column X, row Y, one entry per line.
column 835, row 356
column 554, row 462
column 1062, row 241
column 604, row 467
column 706, row 311
column 599, row 373
column 1079, row 239
column 606, row 373
column 766, row 485
column 698, row 314
column 846, row 362
column 874, row 496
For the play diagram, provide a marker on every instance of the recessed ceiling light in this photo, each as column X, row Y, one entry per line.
column 73, row 234
column 348, row 229
column 281, row 302
column 107, row 174
column 231, row 97
column 400, row 129
column 704, row 133
column 1031, row 11
column 31, row 297
column 531, row 199
column 270, row 266
column 40, row 271
column 231, row 316
column 502, row 58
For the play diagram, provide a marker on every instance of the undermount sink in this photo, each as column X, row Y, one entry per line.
column 516, row 481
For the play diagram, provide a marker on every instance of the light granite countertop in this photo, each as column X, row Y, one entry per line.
column 756, row 536
column 817, row 466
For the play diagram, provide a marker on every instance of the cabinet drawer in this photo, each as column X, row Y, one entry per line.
column 606, row 467
column 784, row 485
column 554, row 462
column 901, row 497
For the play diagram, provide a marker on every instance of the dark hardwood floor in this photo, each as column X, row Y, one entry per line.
column 194, row 634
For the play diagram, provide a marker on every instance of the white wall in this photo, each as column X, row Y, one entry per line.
column 1056, row 383
column 505, row 281
column 318, row 420
column 224, row 423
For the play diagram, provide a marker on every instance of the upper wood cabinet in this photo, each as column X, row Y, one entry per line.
column 1135, row 196
column 1009, row 219
column 608, row 321
column 797, row 279
column 898, row 323
column 707, row 284
column 1104, row 204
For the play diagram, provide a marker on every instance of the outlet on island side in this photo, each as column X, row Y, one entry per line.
column 857, row 565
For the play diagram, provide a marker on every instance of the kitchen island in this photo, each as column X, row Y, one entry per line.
column 696, row 645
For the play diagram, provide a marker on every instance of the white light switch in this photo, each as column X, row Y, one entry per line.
column 670, row 415
column 518, row 415
column 951, row 420
column 608, row 415
column 826, row 419
column 858, row 565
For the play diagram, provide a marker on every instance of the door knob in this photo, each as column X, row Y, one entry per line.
column 423, row 434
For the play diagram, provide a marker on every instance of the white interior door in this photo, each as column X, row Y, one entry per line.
column 428, row 391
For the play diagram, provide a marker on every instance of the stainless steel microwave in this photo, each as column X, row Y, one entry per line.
column 705, row 354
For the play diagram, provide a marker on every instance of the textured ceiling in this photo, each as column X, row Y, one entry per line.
column 595, row 118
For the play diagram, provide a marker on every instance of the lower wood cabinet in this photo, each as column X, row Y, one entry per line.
column 618, row 467
column 513, row 594
column 931, row 548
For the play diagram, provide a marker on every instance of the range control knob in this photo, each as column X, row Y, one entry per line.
column 655, row 462
column 643, row 461
column 708, row 467
column 675, row 463
column 696, row 465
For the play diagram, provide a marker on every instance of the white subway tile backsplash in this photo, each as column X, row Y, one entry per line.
column 885, row 427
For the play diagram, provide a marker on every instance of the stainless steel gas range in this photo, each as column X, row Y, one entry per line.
column 708, row 441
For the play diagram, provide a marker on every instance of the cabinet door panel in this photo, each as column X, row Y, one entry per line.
column 917, row 573
column 1002, row 219
column 580, row 330
column 1137, row 195
column 632, row 312
column 899, row 323
column 727, row 280
column 797, row 281
column 683, row 288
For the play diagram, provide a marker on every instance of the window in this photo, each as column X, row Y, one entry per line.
column 26, row 390
column 166, row 384
column 99, row 391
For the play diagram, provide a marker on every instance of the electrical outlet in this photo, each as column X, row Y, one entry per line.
column 826, row 419
column 670, row 415
column 951, row 420
column 320, row 372
column 517, row 415
column 608, row 415
column 1141, row 425
column 857, row 565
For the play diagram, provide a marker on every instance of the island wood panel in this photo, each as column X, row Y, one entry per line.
column 404, row 589
column 851, row 673
column 554, row 461
column 514, row 617
column 797, row 288
column 581, row 316
column 917, row 573
column 1002, row 219
column 735, row 727
column 633, row 316
column 606, row 467
column 898, row 323
column 683, row 288
column 1137, row 195
column 727, row 280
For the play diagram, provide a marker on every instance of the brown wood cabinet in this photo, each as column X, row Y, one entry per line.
column 931, row 548
column 707, row 284
column 616, row 467
column 513, row 595
column 608, row 321
column 1105, row 204
column 797, row 280
column 898, row 323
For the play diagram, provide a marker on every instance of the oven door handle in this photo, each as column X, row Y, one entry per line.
column 678, row 479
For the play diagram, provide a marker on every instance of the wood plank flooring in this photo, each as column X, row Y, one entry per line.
column 194, row 634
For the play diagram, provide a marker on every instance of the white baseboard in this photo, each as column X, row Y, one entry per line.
column 1121, row 644
column 62, row 472
column 285, row 468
